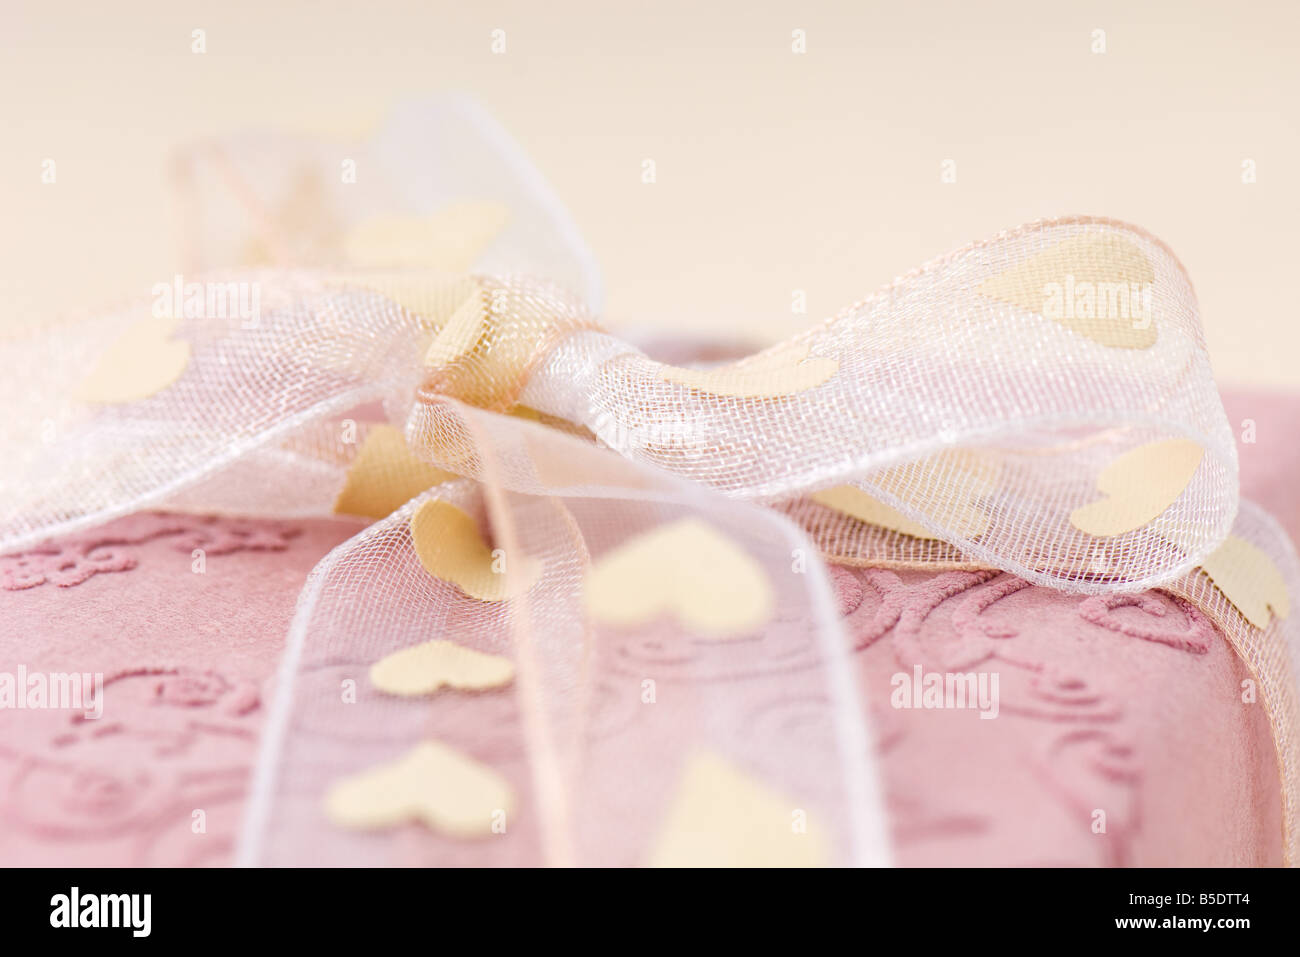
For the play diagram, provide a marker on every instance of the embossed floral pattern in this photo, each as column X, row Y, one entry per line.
column 183, row 738
column 1081, row 750
column 76, row 559
column 180, row 740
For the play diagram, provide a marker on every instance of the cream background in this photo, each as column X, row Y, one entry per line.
column 776, row 171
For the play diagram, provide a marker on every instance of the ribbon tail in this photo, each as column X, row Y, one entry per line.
column 615, row 717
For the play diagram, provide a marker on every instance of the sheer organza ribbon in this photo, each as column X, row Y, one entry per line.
column 643, row 543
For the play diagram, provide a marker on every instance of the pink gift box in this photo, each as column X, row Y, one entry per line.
column 1122, row 735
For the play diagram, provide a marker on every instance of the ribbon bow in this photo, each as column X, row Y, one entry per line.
column 559, row 514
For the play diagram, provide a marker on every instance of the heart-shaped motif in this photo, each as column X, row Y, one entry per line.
column 722, row 817
column 687, row 569
column 451, row 240
column 424, row 668
column 963, row 475
column 769, row 375
column 854, row 502
column 1139, row 485
column 449, row 546
column 1098, row 287
column 433, row 784
column 1249, row 579
column 385, row 475
column 432, row 297
column 461, row 333
column 143, row 361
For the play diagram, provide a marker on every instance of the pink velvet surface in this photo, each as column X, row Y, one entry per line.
column 185, row 656
column 1267, row 424
column 1121, row 736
